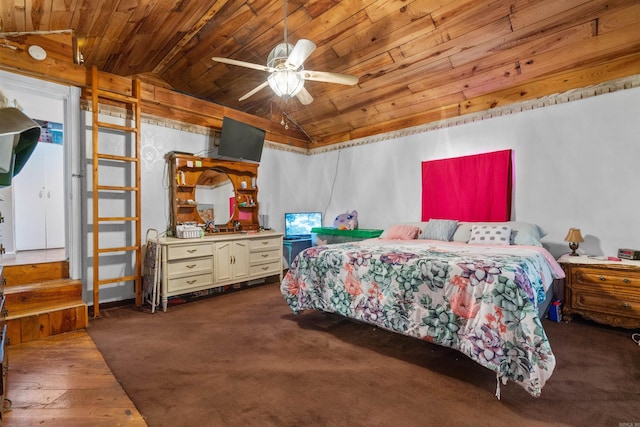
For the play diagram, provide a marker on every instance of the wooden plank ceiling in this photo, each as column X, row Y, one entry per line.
column 417, row 60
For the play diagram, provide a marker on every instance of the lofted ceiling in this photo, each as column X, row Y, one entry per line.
column 417, row 60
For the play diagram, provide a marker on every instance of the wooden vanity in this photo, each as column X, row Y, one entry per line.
column 221, row 197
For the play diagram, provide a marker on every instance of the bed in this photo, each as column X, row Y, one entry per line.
column 483, row 300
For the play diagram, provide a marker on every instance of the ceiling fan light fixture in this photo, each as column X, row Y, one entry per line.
column 285, row 83
column 285, row 66
column 279, row 54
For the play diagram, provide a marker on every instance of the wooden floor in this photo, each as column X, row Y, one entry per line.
column 63, row 380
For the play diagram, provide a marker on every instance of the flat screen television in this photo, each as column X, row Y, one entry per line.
column 240, row 141
column 298, row 225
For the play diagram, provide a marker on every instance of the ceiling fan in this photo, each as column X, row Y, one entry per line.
column 287, row 74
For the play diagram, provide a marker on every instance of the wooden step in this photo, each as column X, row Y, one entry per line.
column 30, row 326
column 35, row 297
column 36, row 272
column 38, row 310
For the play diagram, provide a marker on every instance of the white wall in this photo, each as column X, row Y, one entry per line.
column 576, row 165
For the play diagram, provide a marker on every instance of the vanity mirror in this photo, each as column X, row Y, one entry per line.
column 214, row 197
column 219, row 195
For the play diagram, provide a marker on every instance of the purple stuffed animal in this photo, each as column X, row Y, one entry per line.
column 346, row 221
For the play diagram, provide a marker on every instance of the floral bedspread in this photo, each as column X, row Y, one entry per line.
column 479, row 300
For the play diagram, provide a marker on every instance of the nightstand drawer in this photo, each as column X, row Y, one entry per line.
column 614, row 278
column 605, row 299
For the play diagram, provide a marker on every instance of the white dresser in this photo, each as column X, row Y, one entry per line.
column 190, row 265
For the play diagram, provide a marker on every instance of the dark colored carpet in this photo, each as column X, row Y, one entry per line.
column 243, row 359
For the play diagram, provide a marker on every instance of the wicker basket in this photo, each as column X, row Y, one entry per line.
column 188, row 232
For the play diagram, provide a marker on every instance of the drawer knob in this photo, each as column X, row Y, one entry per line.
column 626, row 305
column 265, row 255
column 626, row 280
column 602, row 278
column 191, row 282
column 192, row 250
column 265, row 243
column 191, row 265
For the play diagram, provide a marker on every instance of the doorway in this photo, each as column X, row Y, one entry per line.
column 42, row 100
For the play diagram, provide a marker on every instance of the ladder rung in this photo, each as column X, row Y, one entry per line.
column 117, row 279
column 107, row 94
column 121, row 249
column 114, row 157
column 116, row 188
column 118, row 218
column 117, row 127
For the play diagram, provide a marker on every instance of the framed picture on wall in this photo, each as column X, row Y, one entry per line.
column 51, row 132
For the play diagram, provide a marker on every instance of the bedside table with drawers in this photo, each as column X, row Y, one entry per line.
column 604, row 291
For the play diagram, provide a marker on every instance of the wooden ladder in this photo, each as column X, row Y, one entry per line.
column 129, row 157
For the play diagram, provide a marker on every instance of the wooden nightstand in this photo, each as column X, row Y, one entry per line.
column 605, row 291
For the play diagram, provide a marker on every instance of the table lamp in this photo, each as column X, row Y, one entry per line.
column 574, row 237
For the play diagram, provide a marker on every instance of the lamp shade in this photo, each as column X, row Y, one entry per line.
column 285, row 83
column 18, row 138
column 574, row 235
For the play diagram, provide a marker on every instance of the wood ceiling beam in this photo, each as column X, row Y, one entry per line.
column 156, row 101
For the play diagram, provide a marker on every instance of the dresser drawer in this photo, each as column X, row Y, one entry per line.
column 265, row 244
column 612, row 278
column 190, row 266
column 264, row 270
column 264, row 256
column 189, row 251
column 190, row 282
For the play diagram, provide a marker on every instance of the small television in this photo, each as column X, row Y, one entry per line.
column 298, row 225
column 240, row 141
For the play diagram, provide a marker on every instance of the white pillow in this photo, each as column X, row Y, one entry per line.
column 490, row 235
column 522, row 233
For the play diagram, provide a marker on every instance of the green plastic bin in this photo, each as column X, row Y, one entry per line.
column 329, row 235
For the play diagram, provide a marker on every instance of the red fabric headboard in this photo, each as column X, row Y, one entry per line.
column 468, row 188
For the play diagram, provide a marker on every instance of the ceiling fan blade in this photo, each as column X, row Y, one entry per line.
column 300, row 52
column 251, row 92
column 304, row 96
column 323, row 76
column 244, row 64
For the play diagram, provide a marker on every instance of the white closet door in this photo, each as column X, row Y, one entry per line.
column 39, row 200
column 54, row 196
